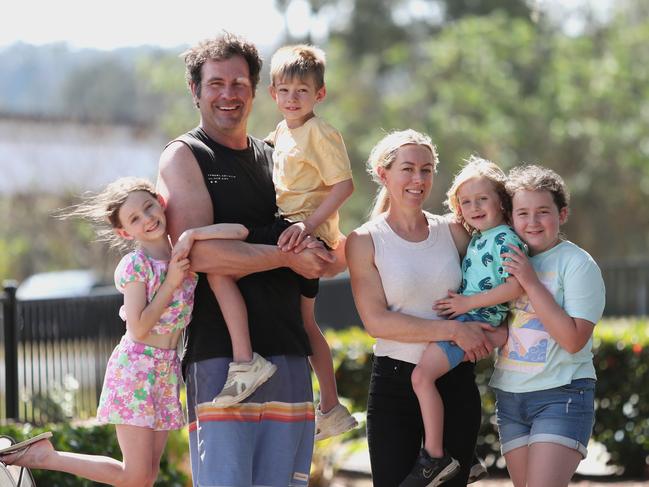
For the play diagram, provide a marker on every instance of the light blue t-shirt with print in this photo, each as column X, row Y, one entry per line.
column 482, row 269
column 531, row 360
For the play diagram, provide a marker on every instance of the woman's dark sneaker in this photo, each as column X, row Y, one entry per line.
column 431, row 472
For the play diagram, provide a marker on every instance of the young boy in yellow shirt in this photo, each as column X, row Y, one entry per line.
column 313, row 178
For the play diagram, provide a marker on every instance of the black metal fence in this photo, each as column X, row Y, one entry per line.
column 55, row 350
column 627, row 287
column 55, row 354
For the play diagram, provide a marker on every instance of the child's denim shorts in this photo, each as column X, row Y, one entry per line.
column 563, row 415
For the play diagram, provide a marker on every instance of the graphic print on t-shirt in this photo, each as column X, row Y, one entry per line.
column 527, row 346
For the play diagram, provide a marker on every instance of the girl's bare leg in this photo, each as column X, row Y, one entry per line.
column 551, row 465
column 159, row 442
column 135, row 471
column 516, row 460
column 137, row 445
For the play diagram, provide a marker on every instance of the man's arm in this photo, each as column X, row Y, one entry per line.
column 189, row 205
column 181, row 184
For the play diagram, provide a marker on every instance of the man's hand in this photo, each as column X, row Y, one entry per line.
column 293, row 236
column 310, row 262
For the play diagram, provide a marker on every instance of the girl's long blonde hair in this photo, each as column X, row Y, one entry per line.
column 384, row 154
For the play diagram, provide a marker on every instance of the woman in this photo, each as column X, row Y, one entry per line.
column 401, row 262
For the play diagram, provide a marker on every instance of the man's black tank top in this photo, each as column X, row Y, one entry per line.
column 241, row 188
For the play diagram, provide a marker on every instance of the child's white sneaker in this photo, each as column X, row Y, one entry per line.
column 244, row 379
column 334, row 422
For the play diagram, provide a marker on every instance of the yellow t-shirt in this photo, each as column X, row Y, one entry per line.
column 308, row 160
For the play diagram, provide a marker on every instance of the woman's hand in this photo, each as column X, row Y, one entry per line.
column 517, row 264
column 471, row 338
column 498, row 334
column 452, row 306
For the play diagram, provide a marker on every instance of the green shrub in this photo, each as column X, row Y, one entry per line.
column 621, row 350
column 622, row 397
column 99, row 440
column 622, row 407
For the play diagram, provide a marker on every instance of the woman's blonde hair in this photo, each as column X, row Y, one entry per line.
column 102, row 209
column 384, row 154
column 477, row 167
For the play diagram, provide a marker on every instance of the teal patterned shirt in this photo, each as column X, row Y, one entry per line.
column 482, row 269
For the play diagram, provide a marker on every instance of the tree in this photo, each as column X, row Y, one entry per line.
column 514, row 91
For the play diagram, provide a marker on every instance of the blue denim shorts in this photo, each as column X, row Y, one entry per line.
column 563, row 415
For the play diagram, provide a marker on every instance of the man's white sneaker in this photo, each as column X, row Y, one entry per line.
column 334, row 422
column 244, row 379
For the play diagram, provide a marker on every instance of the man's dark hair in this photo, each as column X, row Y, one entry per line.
column 225, row 46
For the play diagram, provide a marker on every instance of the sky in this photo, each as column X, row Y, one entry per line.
column 120, row 23
column 172, row 23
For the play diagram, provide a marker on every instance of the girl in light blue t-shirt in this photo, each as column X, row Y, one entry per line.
column 544, row 377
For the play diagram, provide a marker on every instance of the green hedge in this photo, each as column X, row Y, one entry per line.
column 99, row 440
column 622, row 393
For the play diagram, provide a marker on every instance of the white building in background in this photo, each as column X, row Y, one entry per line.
column 56, row 155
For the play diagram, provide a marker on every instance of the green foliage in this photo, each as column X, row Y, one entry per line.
column 352, row 362
column 33, row 240
column 621, row 357
column 99, row 440
column 163, row 77
column 622, row 425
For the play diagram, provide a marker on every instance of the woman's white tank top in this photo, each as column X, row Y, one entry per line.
column 414, row 275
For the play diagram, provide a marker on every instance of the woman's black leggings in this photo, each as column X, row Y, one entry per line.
column 394, row 426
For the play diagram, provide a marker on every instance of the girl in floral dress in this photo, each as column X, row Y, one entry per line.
column 141, row 388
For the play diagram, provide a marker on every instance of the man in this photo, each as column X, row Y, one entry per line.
column 218, row 173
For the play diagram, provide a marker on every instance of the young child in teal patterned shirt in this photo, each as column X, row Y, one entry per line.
column 478, row 199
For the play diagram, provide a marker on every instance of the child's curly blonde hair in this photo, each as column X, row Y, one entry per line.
column 477, row 167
